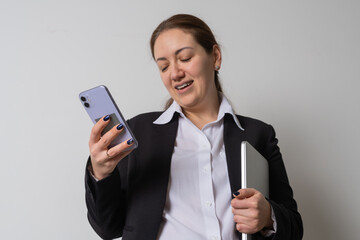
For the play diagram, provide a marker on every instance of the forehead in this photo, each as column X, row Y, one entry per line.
column 171, row 40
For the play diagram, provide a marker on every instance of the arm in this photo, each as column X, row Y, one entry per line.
column 105, row 201
column 252, row 212
column 289, row 223
column 105, row 197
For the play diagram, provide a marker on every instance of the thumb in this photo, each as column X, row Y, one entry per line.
column 244, row 193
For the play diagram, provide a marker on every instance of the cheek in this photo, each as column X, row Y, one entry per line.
column 200, row 69
column 166, row 80
column 194, row 68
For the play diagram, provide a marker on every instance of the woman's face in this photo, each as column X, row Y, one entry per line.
column 186, row 69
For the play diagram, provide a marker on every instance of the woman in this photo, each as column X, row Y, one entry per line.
column 183, row 181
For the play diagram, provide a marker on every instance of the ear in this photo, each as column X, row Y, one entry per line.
column 217, row 57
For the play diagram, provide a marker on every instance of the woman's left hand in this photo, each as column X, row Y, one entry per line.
column 252, row 212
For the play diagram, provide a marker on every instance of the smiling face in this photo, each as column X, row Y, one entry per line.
column 186, row 69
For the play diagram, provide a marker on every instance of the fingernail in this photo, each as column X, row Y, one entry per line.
column 130, row 141
column 236, row 193
column 120, row 126
column 107, row 117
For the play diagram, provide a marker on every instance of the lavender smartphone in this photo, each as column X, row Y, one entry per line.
column 98, row 102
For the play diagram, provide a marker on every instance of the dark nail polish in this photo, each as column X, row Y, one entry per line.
column 120, row 126
column 130, row 141
column 107, row 117
column 236, row 193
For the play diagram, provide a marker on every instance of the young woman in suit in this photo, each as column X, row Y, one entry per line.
column 183, row 181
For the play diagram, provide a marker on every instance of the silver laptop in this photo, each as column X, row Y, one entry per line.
column 254, row 173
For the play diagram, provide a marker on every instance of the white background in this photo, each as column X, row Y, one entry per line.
column 293, row 64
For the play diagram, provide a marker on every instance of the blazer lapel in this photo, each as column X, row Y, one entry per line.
column 164, row 148
column 233, row 136
column 155, row 177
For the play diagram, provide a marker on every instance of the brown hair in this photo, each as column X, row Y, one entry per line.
column 197, row 28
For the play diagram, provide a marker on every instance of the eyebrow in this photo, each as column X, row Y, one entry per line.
column 176, row 53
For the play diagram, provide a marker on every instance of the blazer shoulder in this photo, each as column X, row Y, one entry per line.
column 143, row 123
column 248, row 122
column 145, row 117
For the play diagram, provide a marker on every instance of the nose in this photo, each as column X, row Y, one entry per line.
column 176, row 73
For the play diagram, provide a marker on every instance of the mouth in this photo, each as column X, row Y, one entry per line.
column 184, row 85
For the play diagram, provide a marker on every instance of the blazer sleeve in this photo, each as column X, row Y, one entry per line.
column 106, row 201
column 110, row 201
column 289, row 223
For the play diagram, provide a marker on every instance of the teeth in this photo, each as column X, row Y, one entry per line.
column 183, row 86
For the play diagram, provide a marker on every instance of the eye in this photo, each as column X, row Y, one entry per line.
column 185, row 59
column 163, row 69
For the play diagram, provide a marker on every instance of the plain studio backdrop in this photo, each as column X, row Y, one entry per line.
column 293, row 64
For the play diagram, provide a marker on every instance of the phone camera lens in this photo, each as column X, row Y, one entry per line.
column 83, row 98
column 86, row 104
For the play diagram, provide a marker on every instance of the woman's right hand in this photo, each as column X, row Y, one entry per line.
column 104, row 159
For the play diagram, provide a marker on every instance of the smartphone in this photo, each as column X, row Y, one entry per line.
column 98, row 102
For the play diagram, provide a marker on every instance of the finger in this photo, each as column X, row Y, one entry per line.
column 95, row 134
column 98, row 150
column 247, row 224
column 248, row 220
column 244, row 203
column 110, row 135
column 121, row 148
column 107, row 163
column 244, row 228
column 246, row 213
column 113, row 161
column 244, row 193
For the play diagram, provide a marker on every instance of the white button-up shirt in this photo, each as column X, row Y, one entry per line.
column 199, row 193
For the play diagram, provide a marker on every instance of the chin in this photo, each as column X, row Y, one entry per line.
column 187, row 104
column 189, row 100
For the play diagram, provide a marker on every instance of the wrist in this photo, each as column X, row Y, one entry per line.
column 94, row 174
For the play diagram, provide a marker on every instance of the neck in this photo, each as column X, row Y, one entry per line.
column 202, row 115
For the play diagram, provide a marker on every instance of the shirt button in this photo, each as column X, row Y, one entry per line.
column 208, row 204
column 214, row 238
column 206, row 169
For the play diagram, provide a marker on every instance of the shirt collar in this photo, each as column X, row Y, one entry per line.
column 166, row 116
column 225, row 108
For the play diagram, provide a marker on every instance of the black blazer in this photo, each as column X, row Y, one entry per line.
column 130, row 202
